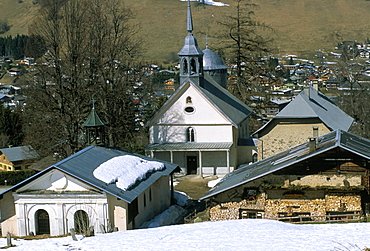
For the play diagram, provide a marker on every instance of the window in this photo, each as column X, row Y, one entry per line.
column 188, row 100
column 190, row 134
column 144, row 200
column 150, row 194
column 189, row 109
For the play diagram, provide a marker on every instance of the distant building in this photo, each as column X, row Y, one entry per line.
column 17, row 158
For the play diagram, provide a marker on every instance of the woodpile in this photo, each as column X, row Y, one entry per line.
column 336, row 202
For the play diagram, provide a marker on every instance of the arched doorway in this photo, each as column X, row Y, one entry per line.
column 42, row 222
column 81, row 220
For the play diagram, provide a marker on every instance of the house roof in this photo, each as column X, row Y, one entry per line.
column 246, row 173
column 19, row 153
column 82, row 164
column 312, row 104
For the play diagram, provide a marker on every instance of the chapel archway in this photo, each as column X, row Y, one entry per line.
column 81, row 221
column 42, row 222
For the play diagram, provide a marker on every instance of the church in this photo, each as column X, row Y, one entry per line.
column 202, row 127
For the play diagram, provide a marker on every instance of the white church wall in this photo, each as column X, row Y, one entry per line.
column 61, row 211
column 55, row 181
column 202, row 133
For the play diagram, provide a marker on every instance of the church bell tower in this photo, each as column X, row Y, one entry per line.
column 191, row 56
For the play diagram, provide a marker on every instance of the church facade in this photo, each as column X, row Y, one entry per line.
column 202, row 127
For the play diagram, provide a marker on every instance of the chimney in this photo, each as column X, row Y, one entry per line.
column 312, row 144
column 315, row 131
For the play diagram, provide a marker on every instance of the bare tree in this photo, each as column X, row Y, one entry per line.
column 244, row 41
column 93, row 48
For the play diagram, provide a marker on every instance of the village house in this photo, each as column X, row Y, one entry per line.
column 326, row 178
column 17, row 158
column 202, row 126
column 99, row 188
column 311, row 113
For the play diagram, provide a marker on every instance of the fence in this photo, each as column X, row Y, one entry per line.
column 321, row 218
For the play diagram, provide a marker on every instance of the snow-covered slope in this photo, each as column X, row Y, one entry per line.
column 249, row 234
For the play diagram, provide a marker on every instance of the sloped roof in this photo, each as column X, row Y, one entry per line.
column 93, row 120
column 189, row 146
column 82, row 164
column 226, row 103
column 246, row 173
column 19, row 153
column 312, row 104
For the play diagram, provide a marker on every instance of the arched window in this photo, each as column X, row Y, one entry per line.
column 193, row 66
column 190, row 135
column 82, row 223
column 188, row 100
column 185, row 68
column 42, row 222
column 254, row 157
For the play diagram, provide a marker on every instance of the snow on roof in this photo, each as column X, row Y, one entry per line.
column 125, row 170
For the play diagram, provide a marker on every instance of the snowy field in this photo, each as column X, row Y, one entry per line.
column 249, row 234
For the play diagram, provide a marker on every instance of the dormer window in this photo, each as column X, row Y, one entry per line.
column 188, row 100
column 190, row 134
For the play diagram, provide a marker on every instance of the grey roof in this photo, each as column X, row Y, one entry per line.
column 20, row 153
column 189, row 146
column 212, row 61
column 82, row 164
column 336, row 139
column 313, row 104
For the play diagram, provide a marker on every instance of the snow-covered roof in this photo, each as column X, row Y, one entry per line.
column 111, row 170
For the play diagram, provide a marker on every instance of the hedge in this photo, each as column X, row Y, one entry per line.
column 14, row 177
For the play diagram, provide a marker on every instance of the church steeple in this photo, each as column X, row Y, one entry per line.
column 94, row 128
column 191, row 56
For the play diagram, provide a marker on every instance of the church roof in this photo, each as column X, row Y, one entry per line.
column 350, row 143
column 313, row 104
column 82, row 165
column 212, row 61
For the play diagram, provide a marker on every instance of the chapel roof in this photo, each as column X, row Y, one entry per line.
column 82, row 165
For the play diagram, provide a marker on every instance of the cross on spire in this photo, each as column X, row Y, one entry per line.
column 207, row 38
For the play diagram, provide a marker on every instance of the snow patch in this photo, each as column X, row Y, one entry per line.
column 170, row 216
column 125, row 170
column 212, row 183
column 182, row 199
column 208, row 2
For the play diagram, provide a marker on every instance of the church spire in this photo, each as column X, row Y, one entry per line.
column 189, row 23
column 191, row 56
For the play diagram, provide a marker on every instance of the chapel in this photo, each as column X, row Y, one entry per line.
column 202, row 127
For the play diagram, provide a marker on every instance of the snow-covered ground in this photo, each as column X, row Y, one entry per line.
column 249, row 234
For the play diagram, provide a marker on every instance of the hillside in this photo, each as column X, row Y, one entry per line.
column 300, row 25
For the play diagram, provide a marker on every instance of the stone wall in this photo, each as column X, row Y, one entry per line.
column 286, row 135
column 332, row 202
